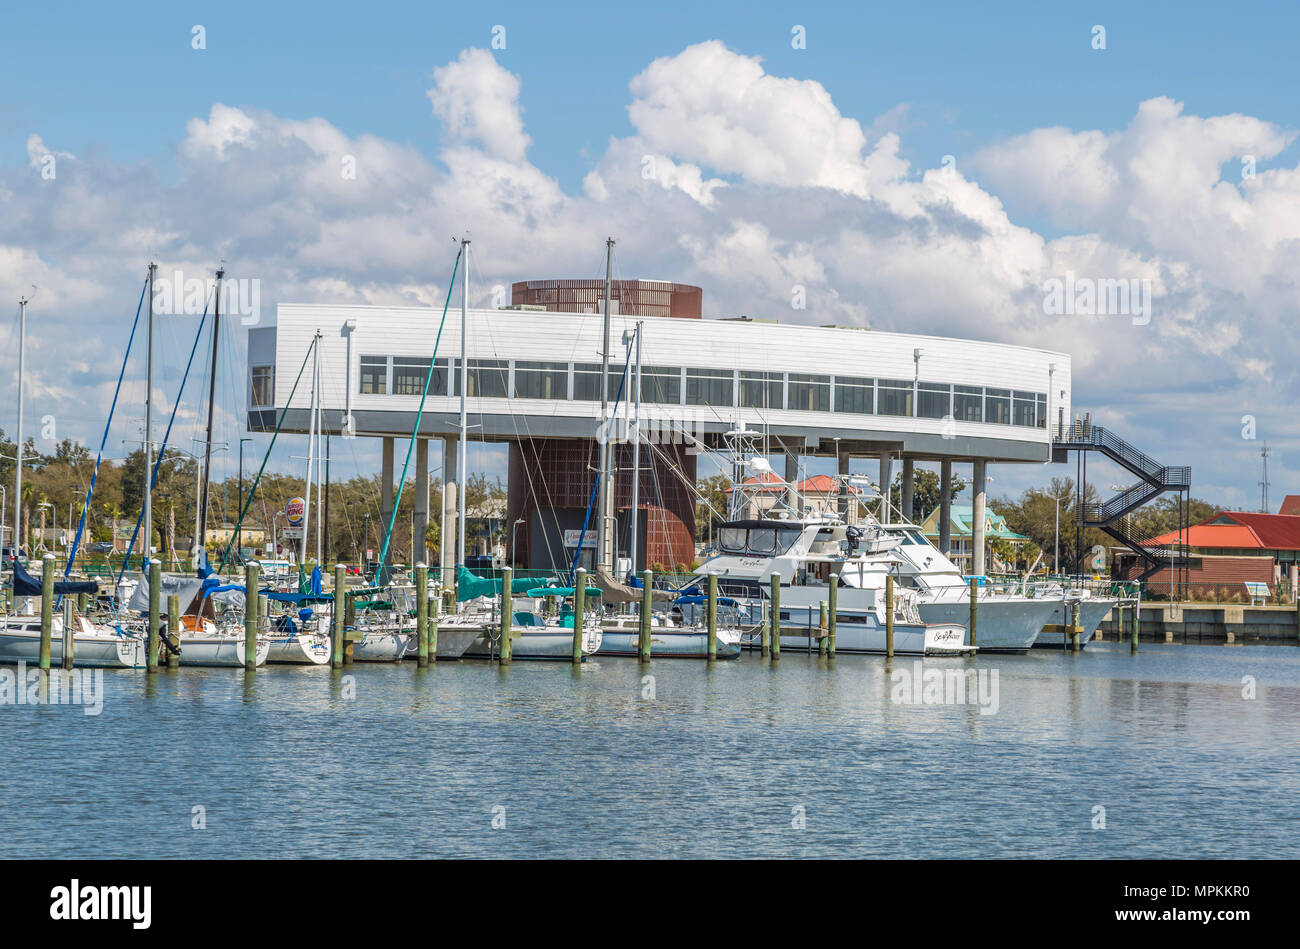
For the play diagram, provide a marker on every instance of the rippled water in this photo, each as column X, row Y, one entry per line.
column 722, row 761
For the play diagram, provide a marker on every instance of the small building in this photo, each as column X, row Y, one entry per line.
column 960, row 547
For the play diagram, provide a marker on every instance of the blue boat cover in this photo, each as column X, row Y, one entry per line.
column 27, row 585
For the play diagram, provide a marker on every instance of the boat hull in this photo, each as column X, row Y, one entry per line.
column 313, row 650
column 89, row 651
column 669, row 643
column 378, row 646
column 1005, row 624
column 539, row 643
column 854, row 636
column 225, row 651
column 452, row 642
column 1091, row 613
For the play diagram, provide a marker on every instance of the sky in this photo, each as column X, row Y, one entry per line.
column 923, row 168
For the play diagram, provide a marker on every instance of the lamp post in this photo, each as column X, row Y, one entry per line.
column 1056, row 549
column 43, row 507
column 514, row 540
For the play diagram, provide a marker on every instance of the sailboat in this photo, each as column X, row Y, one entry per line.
column 92, row 644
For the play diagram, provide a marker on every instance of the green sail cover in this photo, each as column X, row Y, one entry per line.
column 469, row 586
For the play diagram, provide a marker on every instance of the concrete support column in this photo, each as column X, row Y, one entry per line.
column 945, row 506
column 843, row 500
column 450, row 508
column 386, row 499
column 979, row 499
column 791, row 477
column 886, row 479
column 419, row 545
column 905, row 501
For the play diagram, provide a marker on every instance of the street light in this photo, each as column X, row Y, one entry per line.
column 48, row 506
column 1056, row 550
column 514, row 540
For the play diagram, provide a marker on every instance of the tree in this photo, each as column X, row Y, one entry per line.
column 927, row 493
column 711, row 508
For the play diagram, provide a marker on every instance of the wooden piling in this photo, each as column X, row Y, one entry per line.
column 47, row 609
column 711, row 615
column 422, row 614
column 1074, row 626
column 889, row 617
column 173, row 631
column 155, row 608
column 339, row 615
column 69, row 632
column 508, row 614
column 434, row 606
column 776, row 616
column 1137, row 629
column 579, row 612
column 832, row 593
column 349, row 619
column 647, row 614
column 974, row 608
column 822, row 644
column 251, row 605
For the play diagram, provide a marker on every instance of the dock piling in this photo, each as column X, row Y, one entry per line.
column 889, row 617
column 1137, row 629
column 776, row 616
column 47, row 609
column 832, row 593
column 422, row 614
column 647, row 612
column 434, row 608
column 69, row 638
column 579, row 611
column 822, row 635
column 339, row 615
column 173, row 631
column 250, row 616
column 1074, row 626
column 155, row 608
column 711, row 616
column 974, row 608
column 507, row 613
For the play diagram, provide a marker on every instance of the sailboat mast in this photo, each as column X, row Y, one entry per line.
column 148, row 423
column 320, row 437
column 18, row 477
column 636, row 450
column 212, row 401
column 311, row 444
column 604, row 555
column 463, row 447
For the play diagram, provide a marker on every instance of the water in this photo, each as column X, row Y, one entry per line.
column 723, row 761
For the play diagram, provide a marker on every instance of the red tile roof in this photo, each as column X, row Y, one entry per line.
column 817, row 484
column 1242, row 530
column 1290, row 504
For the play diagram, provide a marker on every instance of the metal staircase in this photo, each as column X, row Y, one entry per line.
column 1113, row 515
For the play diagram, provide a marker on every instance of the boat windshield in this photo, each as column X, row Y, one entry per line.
column 764, row 540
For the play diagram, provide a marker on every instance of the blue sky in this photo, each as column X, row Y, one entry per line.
column 118, row 86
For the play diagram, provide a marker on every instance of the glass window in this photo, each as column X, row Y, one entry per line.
column 263, row 378
column 855, row 395
column 586, row 381
column 997, row 406
column 968, row 403
column 622, row 390
column 1023, row 408
column 761, row 390
column 932, row 400
column 708, row 387
column 374, row 375
column 895, row 397
column 541, row 380
column 662, row 384
column 732, row 538
column 487, row 379
column 762, row 540
column 809, row 393
column 1042, row 410
column 409, row 374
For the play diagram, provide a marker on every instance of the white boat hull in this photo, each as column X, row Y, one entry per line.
column 937, row 639
column 544, row 642
column 378, row 646
column 453, row 640
column 103, row 649
column 1004, row 624
column 1091, row 613
column 669, row 643
column 218, row 649
column 311, row 649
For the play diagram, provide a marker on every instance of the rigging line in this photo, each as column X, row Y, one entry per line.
column 252, row 491
column 157, row 465
column 85, row 507
column 419, row 415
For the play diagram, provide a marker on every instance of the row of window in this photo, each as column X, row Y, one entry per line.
column 666, row 385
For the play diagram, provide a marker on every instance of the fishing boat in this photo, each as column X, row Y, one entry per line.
column 1092, row 610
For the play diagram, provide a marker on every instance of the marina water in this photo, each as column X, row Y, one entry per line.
column 1102, row 754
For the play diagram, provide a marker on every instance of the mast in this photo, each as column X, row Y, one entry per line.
column 636, row 449
column 464, row 419
column 18, row 477
column 212, row 399
column 320, row 483
column 311, row 444
column 604, row 555
column 148, row 424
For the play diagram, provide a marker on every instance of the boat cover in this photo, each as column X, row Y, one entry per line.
column 27, row 585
